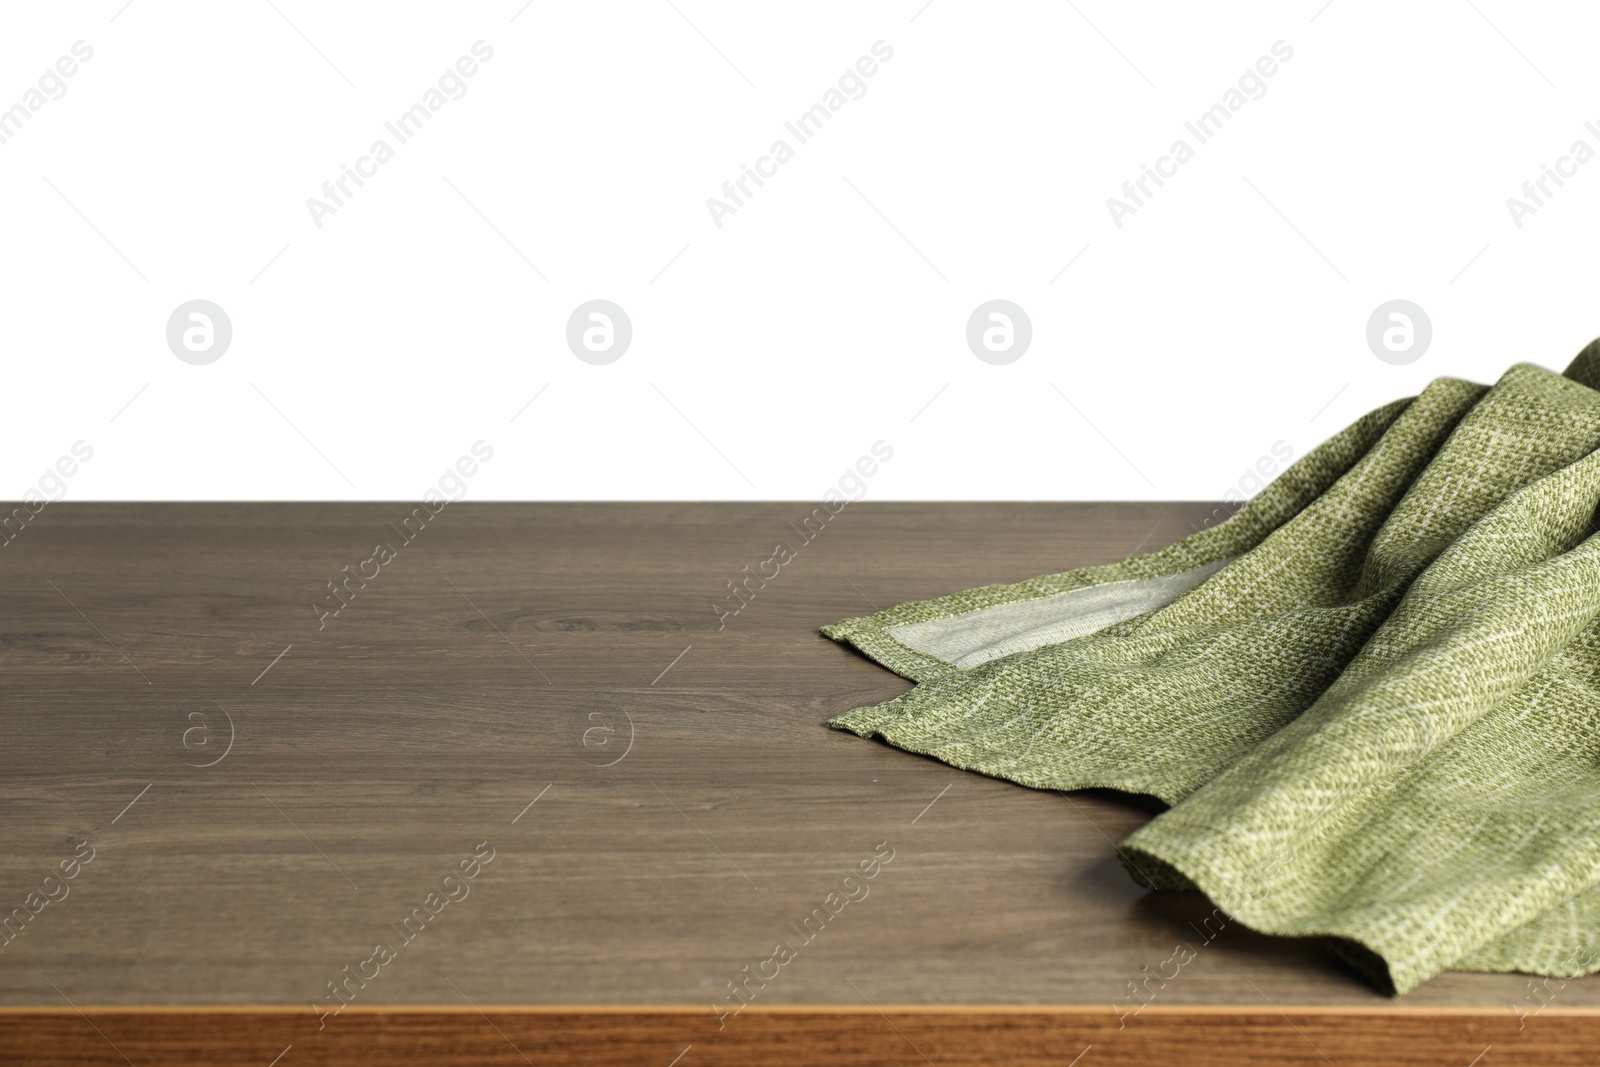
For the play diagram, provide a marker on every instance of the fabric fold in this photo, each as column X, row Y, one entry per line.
column 1371, row 696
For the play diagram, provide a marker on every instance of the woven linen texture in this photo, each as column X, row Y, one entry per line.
column 1375, row 717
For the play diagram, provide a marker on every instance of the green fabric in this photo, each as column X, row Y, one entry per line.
column 1376, row 717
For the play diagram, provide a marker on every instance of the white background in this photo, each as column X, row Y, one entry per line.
column 1227, row 315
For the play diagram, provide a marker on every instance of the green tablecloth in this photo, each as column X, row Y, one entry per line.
column 1371, row 696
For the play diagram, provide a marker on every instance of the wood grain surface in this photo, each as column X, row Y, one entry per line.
column 269, row 792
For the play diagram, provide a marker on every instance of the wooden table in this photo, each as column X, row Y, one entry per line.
column 252, row 793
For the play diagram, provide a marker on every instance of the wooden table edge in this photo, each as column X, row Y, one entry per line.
column 855, row 1035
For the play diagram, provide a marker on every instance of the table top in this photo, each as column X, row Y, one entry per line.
column 524, row 750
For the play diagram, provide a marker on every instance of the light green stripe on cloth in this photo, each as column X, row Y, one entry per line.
column 1371, row 696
